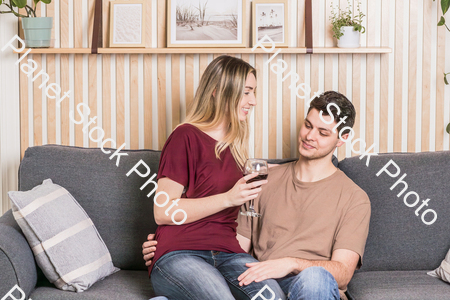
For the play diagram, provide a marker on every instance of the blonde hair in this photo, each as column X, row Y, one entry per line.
column 217, row 99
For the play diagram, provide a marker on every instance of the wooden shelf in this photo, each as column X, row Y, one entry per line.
column 59, row 50
column 361, row 50
column 317, row 50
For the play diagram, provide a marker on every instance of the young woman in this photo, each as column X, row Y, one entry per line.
column 201, row 163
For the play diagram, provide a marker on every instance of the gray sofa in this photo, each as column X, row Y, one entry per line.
column 399, row 251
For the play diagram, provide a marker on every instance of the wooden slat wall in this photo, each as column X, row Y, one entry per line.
column 401, row 100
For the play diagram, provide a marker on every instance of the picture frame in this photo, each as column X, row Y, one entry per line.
column 127, row 23
column 206, row 23
column 271, row 18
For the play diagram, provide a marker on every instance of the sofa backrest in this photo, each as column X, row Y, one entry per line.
column 398, row 239
column 121, row 212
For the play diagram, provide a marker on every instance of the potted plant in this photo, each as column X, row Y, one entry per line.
column 37, row 30
column 346, row 27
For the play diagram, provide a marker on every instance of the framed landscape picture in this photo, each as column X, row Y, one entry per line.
column 270, row 17
column 206, row 23
column 127, row 23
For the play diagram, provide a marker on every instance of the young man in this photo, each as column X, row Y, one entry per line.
column 315, row 220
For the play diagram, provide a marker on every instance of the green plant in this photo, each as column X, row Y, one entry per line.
column 13, row 4
column 345, row 18
column 445, row 5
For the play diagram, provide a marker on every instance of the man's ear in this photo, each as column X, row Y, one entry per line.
column 342, row 140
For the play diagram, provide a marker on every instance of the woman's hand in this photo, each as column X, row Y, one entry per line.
column 243, row 192
column 148, row 249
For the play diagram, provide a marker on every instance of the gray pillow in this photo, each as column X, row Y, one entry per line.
column 66, row 244
column 443, row 271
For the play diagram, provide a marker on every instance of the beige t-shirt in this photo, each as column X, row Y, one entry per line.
column 307, row 220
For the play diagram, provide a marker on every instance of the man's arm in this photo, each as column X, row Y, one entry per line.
column 342, row 265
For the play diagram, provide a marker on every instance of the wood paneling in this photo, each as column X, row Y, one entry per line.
column 162, row 128
column 148, row 102
column 120, row 99
column 175, row 82
column 428, row 22
column 37, row 102
column 93, row 85
column 379, row 75
column 107, row 97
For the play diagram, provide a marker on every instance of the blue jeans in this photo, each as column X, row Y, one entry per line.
column 212, row 275
column 311, row 283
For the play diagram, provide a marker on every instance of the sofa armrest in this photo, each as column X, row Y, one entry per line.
column 16, row 258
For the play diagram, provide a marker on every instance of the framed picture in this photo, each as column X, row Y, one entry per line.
column 270, row 17
column 127, row 23
column 206, row 23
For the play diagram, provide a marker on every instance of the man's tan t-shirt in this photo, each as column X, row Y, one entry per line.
column 307, row 220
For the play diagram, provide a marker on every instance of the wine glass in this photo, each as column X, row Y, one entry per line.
column 255, row 165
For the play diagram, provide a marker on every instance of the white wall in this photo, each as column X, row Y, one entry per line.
column 9, row 112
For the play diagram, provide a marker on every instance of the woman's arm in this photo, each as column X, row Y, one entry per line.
column 199, row 208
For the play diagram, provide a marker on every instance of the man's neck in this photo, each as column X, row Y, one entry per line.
column 314, row 170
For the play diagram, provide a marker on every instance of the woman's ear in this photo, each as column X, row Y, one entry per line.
column 214, row 93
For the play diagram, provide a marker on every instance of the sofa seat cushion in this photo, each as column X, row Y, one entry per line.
column 119, row 286
column 401, row 285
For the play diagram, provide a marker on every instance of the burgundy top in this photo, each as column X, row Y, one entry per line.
column 188, row 158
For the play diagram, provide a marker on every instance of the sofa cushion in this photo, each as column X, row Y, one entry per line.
column 397, row 285
column 398, row 239
column 443, row 271
column 65, row 242
column 121, row 212
column 122, row 285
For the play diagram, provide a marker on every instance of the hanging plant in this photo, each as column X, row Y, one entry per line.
column 445, row 5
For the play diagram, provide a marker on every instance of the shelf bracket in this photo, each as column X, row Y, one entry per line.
column 97, row 34
column 308, row 27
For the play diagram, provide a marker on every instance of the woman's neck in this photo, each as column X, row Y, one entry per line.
column 218, row 133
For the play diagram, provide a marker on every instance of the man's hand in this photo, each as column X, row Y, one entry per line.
column 259, row 271
column 148, row 249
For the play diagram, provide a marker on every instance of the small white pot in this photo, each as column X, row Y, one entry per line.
column 350, row 39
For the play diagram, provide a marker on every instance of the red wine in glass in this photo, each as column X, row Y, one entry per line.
column 258, row 178
column 251, row 166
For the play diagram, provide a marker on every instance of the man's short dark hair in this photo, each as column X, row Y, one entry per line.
column 347, row 109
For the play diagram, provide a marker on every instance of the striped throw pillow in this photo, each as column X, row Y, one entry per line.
column 443, row 271
column 66, row 244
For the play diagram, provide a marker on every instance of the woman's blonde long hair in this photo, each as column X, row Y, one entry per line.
column 217, row 99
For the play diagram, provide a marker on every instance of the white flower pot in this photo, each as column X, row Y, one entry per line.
column 350, row 39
